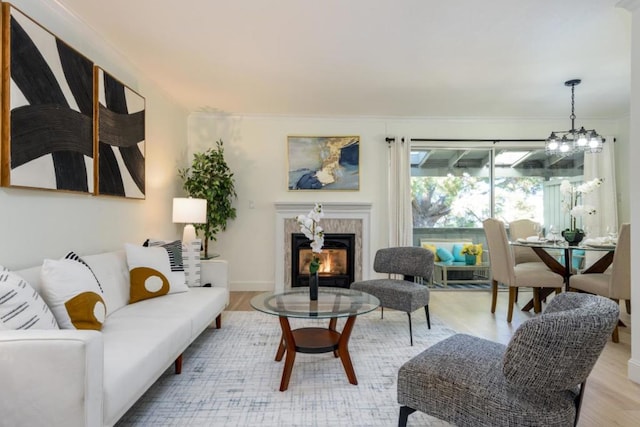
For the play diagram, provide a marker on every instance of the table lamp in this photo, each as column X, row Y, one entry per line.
column 189, row 211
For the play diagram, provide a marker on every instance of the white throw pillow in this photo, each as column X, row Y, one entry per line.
column 189, row 262
column 174, row 250
column 73, row 293
column 150, row 273
column 20, row 305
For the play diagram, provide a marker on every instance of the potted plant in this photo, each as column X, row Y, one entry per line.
column 571, row 198
column 210, row 178
column 471, row 253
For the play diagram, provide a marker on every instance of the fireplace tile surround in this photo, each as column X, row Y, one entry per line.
column 338, row 218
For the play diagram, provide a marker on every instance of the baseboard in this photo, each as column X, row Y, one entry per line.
column 633, row 370
column 251, row 286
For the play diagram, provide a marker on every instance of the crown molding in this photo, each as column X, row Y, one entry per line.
column 630, row 5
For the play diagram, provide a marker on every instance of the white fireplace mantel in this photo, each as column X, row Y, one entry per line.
column 339, row 210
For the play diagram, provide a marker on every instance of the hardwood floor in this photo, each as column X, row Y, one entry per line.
column 611, row 399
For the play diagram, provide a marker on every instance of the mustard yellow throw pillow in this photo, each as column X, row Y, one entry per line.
column 479, row 255
column 150, row 273
column 433, row 249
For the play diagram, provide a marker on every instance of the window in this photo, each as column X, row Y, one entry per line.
column 454, row 189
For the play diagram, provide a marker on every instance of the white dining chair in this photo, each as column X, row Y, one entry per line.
column 504, row 270
column 521, row 229
column 615, row 282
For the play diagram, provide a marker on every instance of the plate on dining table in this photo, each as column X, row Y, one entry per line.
column 530, row 241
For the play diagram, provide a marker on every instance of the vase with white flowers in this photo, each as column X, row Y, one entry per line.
column 573, row 203
column 310, row 227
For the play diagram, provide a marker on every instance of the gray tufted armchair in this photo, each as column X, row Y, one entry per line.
column 538, row 379
column 401, row 294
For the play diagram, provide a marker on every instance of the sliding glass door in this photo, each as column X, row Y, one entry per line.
column 455, row 189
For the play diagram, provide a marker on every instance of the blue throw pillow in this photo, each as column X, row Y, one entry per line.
column 444, row 255
column 457, row 252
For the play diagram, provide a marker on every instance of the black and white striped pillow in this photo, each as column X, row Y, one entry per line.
column 174, row 250
column 20, row 305
column 188, row 259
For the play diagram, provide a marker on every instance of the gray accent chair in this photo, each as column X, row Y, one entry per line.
column 538, row 379
column 504, row 269
column 614, row 283
column 401, row 294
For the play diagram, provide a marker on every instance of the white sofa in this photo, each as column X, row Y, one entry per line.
column 91, row 378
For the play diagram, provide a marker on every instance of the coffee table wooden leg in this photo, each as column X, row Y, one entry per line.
column 290, row 345
column 332, row 327
column 281, row 349
column 343, row 350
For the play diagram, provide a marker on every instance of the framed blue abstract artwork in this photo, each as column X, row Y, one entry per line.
column 323, row 163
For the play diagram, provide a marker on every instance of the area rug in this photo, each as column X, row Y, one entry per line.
column 230, row 378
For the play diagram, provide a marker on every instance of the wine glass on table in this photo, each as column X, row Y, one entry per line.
column 537, row 228
column 553, row 233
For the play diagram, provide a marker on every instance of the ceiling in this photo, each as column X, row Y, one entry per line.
column 408, row 58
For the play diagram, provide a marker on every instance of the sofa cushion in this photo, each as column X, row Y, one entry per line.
column 457, row 252
column 433, row 249
column 199, row 304
column 137, row 350
column 150, row 273
column 444, row 255
column 190, row 257
column 174, row 250
column 21, row 306
column 73, row 293
column 113, row 274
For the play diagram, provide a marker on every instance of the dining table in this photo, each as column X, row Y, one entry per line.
column 548, row 250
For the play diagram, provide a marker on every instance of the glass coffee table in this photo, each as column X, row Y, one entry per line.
column 332, row 304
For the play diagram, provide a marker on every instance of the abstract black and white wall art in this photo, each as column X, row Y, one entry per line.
column 324, row 162
column 47, row 109
column 120, row 136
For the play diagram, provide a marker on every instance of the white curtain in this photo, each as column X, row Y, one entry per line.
column 602, row 165
column 399, row 190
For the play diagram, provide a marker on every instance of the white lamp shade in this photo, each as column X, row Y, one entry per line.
column 189, row 210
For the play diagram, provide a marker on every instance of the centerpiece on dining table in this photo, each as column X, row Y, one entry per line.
column 310, row 227
column 573, row 202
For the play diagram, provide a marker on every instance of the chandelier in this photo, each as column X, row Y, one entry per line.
column 567, row 142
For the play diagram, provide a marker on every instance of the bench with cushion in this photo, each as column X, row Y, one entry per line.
column 450, row 265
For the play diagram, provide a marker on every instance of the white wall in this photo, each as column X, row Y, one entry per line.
column 634, row 177
column 35, row 224
column 623, row 172
column 256, row 151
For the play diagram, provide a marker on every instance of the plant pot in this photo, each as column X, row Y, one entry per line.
column 469, row 259
column 313, row 286
column 573, row 236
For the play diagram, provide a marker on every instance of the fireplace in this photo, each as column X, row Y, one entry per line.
column 336, row 260
column 339, row 217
